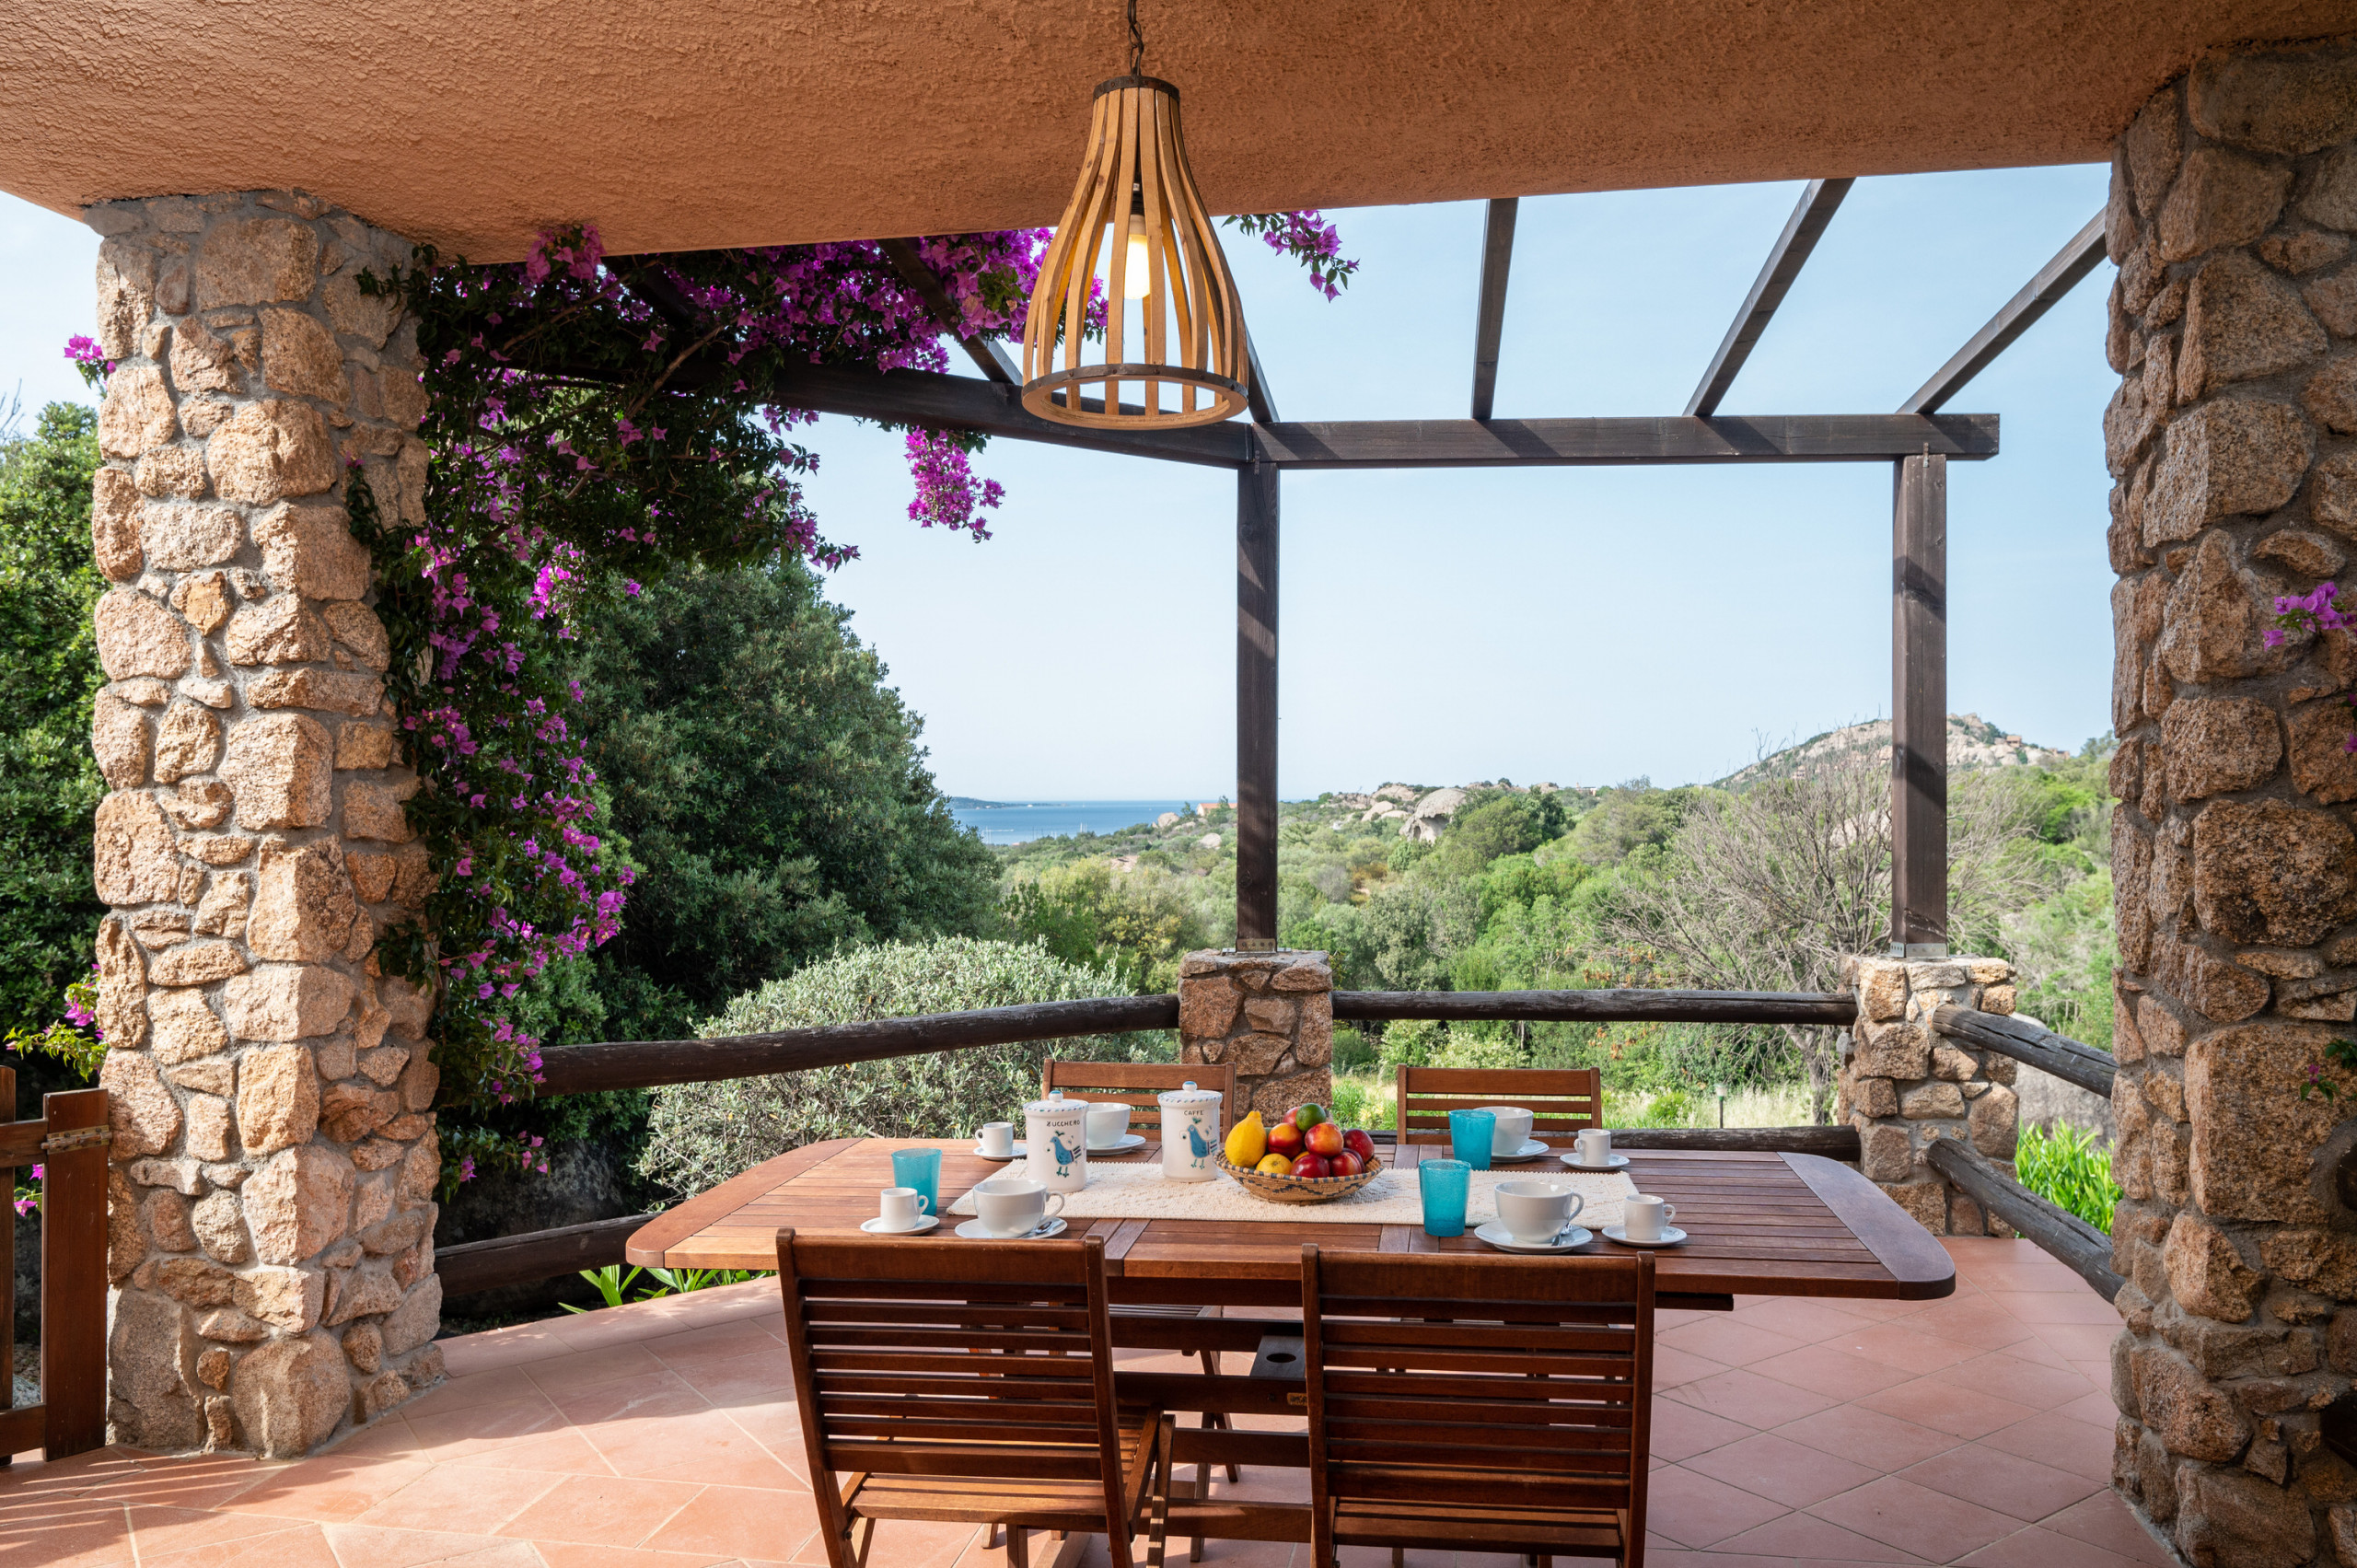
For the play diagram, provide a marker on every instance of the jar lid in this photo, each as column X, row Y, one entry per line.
column 1188, row 1096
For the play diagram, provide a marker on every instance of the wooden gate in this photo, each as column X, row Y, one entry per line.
column 69, row 1143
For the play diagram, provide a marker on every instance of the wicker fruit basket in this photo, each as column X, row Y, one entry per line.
column 1298, row 1190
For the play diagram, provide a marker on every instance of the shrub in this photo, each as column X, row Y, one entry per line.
column 700, row 1134
column 2068, row 1168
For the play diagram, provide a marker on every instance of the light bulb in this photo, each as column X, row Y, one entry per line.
column 1137, row 277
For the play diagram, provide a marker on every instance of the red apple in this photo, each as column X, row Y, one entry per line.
column 1284, row 1139
column 1312, row 1166
column 1345, row 1163
column 1323, row 1138
column 1359, row 1143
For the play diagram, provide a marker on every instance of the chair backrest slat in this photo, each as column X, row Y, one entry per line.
column 982, row 1361
column 1136, row 1085
column 1477, row 1380
column 1561, row 1100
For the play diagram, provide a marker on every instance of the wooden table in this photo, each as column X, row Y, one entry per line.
column 1762, row 1224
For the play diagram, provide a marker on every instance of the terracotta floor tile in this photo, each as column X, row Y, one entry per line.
column 1727, row 1342
column 571, row 1554
column 467, row 1354
column 156, row 1531
column 587, row 1369
column 80, row 1471
column 717, row 1342
column 1867, row 1437
column 1943, row 1407
column 566, row 1451
column 460, row 1433
column 1896, row 1344
column 2008, row 1377
column 389, row 1437
column 1781, row 1470
column 1806, row 1320
column 744, row 1522
column 1680, row 1429
column 65, row 1534
column 2036, row 1548
column 2104, row 1520
column 1673, row 1367
column 1976, row 1323
column 2027, row 1277
column 203, row 1480
column 495, row 1386
column 1747, row 1397
column 2007, row 1482
column 369, row 1546
column 2040, row 1307
column 2096, row 1408
column 292, row 1546
column 1879, row 1311
column 2079, row 1341
column 1804, row 1538
column 1916, row 1518
column 469, row 1498
column 1696, row 1510
column 619, row 1510
column 706, row 1447
column 1827, row 1370
column 2071, row 1446
column 759, row 1378
column 653, row 1393
column 329, row 1488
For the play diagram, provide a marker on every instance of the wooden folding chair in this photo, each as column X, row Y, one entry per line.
column 1136, row 1085
column 1477, row 1403
column 1561, row 1100
column 971, row 1384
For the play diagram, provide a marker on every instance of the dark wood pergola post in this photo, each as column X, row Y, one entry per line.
column 1919, row 707
column 1255, row 707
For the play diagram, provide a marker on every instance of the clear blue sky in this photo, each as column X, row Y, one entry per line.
column 1583, row 625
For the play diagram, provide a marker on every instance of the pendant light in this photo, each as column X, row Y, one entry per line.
column 1172, row 352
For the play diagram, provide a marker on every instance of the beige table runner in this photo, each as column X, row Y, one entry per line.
column 1140, row 1192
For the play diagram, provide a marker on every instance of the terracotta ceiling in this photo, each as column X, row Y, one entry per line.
column 711, row 123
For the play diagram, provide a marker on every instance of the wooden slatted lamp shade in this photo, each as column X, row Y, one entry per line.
column 1137, row 224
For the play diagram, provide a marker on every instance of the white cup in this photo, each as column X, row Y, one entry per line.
column 998, row 1140
column 1595, row 1147
column 1535, row 1212
column 1642, row 1216
column 1107, row 1125
column 1014, row 1205
column 1510, row 1130
column 901, row 1207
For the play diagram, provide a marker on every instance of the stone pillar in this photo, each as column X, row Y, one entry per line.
column 270, row 1217
column 1269, row 1015
column 1903, row 1084
column 2234, row 197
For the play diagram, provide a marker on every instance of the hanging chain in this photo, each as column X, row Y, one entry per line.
column 1137, row 40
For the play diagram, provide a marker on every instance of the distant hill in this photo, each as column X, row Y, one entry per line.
column 1973, row 744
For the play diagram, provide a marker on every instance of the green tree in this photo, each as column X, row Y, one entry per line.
column 1502, row 824
column 49, row 784
column 770, row 787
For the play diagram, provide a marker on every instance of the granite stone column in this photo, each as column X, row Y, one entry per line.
column 2233, row 201
column 1903, row 1085
column 271, row 1216
column 1268, row 1014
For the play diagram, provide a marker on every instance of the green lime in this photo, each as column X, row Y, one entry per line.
column 1309, row 1116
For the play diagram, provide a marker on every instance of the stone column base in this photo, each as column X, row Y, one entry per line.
column 1904, row 1085
column 1268, row 1014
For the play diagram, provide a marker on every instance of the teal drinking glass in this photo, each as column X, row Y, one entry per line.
column 920, row 1168
column 1444, row 1184
column 1469, row 1132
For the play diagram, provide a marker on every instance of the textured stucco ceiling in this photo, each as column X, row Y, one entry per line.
column 708, row 122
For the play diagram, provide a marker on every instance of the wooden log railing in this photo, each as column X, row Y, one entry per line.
column 2061, row 1233
column 1835, row 1008
column 472, row 1266
column 2041, row 1047
column 69, row 1141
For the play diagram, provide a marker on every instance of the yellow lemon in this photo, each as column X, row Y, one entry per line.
column 1275, row 1165
column 1246, row 1142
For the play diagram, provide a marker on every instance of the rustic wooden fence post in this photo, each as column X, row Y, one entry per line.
column 74, row 1272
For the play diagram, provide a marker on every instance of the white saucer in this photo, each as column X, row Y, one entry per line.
column 1129, row 1140
column 1670, row 1237
column 1053, row 1224
column 1531, row 1150
column 1498, row 1236
column 1616, row 1162
column 1017, row 1153
column 877, row 1227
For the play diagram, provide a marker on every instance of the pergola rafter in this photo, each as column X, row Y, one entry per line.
column 2054, row 280
column 1785, row 259
column 1489, row 316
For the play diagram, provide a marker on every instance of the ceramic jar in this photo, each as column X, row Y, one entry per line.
column 1191, row 1134
column 1056, row 1134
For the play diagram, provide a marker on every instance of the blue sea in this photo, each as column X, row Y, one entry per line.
column 1017, row 821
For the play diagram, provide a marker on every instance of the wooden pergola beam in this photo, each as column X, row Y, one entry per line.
column 2054, row 280
column 1262, row 402
column 1541, row 443
column 1489, row 317
column 1792, row 249
column 988, row 357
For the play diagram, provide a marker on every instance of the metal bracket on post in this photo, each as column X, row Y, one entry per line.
column 79, row 1138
